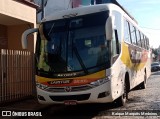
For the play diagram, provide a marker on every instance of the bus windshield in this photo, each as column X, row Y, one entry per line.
column 74, row 44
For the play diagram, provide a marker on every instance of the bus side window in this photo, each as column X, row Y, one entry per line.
column 126, row 32
column 117, row 25
column 145, row 46
column 133, row 34
column 38, row 45
column 117, row 31
column 142, row 40
column 115, row 46
column 138, row 38
column 117, row 42
column 147, row 43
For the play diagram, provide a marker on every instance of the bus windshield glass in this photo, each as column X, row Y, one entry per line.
column 74, row 44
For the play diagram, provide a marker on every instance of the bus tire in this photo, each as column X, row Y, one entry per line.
column 144, row 83
column 121, row 101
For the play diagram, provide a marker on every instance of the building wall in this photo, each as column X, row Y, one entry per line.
column 16, row 65
column 15, row 18
column 79, row 3
column 17, row 10
column 3, row 36
column 14, row 37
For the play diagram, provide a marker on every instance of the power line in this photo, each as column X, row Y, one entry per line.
column 149, row 28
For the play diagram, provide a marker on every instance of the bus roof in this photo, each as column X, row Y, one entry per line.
column 89, row 10
column 79, row 11
column 86, row 10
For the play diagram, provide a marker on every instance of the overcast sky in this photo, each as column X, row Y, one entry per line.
column 147, row 13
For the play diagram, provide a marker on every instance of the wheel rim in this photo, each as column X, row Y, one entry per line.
column 145, row 80
column 124, row 96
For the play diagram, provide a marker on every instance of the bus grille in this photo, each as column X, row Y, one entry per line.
column 73, row 88
column 71, row 97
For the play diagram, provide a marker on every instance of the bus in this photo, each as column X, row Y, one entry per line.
column 91, row 54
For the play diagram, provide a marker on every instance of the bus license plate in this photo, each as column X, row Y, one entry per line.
column 70, row 102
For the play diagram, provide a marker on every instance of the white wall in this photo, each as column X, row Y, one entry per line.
column 17, row 10
column 54, row 6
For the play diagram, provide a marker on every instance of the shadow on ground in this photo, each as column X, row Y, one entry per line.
column 83, row 111
column 156, row 73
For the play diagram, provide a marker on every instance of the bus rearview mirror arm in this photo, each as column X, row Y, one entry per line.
column 109, row 28
column 24, row 37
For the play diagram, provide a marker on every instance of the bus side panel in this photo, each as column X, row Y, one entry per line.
column 117, row 81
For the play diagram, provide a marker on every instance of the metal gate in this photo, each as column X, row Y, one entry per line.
column 16, row 75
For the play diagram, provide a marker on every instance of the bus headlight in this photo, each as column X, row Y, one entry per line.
column 100, row 81
column 41, row 86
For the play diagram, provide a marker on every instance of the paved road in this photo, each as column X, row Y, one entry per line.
column 147, row 99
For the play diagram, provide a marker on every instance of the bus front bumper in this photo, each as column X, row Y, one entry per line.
column 99, row 94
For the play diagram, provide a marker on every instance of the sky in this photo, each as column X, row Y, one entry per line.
column 147, row 14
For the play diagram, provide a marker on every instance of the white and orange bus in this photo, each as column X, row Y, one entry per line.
column 92, row 54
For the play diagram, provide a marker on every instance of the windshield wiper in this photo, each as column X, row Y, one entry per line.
column 51, row 29
column 80, row 60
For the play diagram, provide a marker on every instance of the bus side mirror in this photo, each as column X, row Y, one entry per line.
column 109, row 28
column 24, row 37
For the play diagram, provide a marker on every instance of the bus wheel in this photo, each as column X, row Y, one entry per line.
column 121, row 101
column 144, row 83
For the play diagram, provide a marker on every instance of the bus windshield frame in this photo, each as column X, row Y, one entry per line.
column 73, row 45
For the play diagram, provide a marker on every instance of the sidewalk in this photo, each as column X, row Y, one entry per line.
column 24, row 105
